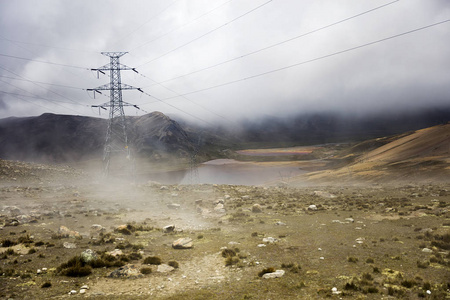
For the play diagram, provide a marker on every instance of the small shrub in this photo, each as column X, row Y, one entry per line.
column 25, row 239
column 152, row 260
column 228, row 253
column 173, row 264
column 200, row 236
column 422, row 264
column 38, row 244
column 46, row 284
column 367, row 276
column 31, row 251
column 350, row 286
column 266, row 270
column 74, row 267
column 135, row 256
column 370, row 260
column 8, row 243
column 146, row 270
column 287, row 266
column 231, row 260
column 408, row 283
column 41, row 255
column 352, row 259
column 254, row 234
column 137, row 247
column 372, row 290
column 10, row 252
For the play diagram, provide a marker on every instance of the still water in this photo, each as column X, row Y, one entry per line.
column 229, row 171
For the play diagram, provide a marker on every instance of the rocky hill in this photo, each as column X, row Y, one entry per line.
column 63, row 138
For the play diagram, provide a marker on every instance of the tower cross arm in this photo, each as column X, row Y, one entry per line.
column 109, row 86
column 119, row 66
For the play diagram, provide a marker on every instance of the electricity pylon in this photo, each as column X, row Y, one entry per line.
column 116, row 135
column 193, row 163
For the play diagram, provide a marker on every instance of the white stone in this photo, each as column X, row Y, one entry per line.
column 312, row 207
column 321, row 258
column 270, row 240
column 428, row 292
column 82, row 291
column 261, row 245
column 276, row 274
column 426, row 250
column 72, row 292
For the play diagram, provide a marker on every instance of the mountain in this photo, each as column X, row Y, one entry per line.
column 65, row 138
column 420, row 154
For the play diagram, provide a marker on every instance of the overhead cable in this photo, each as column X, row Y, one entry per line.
column 312, row 60
column 181, row 26
column 279, row 43
column 207, row 33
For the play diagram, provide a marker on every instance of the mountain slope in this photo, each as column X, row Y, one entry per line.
column 419, row 155
column 64, row 138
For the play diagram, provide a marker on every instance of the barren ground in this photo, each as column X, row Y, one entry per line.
column 366, row 241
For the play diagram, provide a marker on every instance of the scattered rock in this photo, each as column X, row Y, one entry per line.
column 427, row 250
column 219, row 208
column 88, row 255
column 98, row 228
column 269, row 240
column 312, row 207
column 276, row 274
column 324, row 194
column 115, row 252
column 127, row 271
column 163, row 188
column 12, row 210
column 173, row 206
column 168, row 228
column 68, row 245
column 65, row 232
column 279, row 223
column 256, row 208
column 351, row 220
column 335, row 291
column 163, row 268
column 182, row 243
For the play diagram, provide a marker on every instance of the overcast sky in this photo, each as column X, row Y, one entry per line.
column 195, row 56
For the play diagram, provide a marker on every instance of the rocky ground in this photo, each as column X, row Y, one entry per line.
column 66, row 235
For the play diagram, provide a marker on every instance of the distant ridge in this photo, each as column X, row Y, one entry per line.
column 63, row 138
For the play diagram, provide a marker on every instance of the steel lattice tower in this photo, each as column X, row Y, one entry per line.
column 116, row 141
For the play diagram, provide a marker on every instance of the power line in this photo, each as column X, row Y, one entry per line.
column 311, row 60
column 181, row 26
column 45, row 46
column 207, row 33
column 49, row 100
column 43, row 61
column 280, row 43
column 47, row 108
column 146, row 22
column 179, row 109
column 38, row 85
column 46, row 83
column 169, row 89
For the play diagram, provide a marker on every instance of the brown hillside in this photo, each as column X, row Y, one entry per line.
column 428, row 142
column 423, row 155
